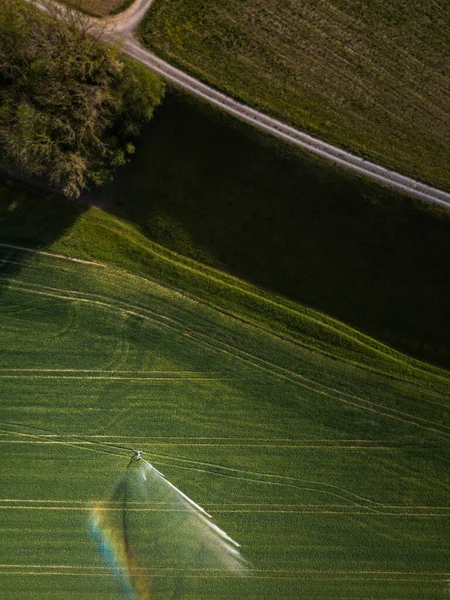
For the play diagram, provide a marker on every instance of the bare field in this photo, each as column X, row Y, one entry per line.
column 100, row 8
column 372, row 77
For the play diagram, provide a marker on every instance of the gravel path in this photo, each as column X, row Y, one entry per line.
column 121, row 27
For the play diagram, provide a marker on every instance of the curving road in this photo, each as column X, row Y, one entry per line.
column 120, row 28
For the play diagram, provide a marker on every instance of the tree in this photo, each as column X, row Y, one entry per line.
column 69, row 103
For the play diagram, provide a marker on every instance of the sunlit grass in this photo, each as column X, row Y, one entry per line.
column 325, row 460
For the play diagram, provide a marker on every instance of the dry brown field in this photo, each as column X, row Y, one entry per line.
column 100, row 8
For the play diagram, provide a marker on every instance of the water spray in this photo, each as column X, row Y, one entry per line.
column 158, row 542
column 191, row 502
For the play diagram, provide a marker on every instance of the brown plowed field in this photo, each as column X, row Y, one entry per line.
column 98, row 7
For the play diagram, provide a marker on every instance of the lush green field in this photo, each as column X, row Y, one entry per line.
column 319, row 450
column 370, row 76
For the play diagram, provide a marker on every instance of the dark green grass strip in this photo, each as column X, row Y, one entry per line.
column 209, row 188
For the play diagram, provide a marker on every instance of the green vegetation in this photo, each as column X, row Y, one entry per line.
column 69, row 104
column 216, row 191
column 329, row 470
column 370, row 76
column 321, row 450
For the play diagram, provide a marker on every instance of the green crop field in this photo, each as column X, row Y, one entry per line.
column 370, row 76
column 321, row 451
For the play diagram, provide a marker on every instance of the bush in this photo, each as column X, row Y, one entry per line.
column 69, row 103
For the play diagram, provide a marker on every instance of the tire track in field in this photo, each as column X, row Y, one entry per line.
column 271, row 479
column 341, row 512
column 227, row 471
column 319, row 388
column 171, row 457
column 53, row 255
column 217, row 345
column 232, row 349
column 86, row 446
column 217, row 506
column 121, row 351
column 240, row 576
column 218, row 442
column 254, row 573
column 293, row 377
column 209, row 438
column 376, row 448
column 231, row 472
column 229, row 281
column 114, row 378
column 255, row 570
column 5, row 261
column 35, row 265
column 111, row 374
column 100, row 371
column 72, row 321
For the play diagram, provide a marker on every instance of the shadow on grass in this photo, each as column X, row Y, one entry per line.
column 32, row 219
column 211, row 188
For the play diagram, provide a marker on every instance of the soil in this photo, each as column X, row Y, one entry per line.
column 100, row 8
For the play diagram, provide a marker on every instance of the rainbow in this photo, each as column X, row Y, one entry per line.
column 118, row 555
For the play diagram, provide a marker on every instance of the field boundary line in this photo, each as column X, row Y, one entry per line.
column 54, row 442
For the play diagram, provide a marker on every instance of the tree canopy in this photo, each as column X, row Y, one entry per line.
column 70, row 104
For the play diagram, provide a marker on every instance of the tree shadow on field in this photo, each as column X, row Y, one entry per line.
column 209, row 187
column 32, row 219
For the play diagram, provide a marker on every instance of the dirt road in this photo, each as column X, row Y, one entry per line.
column 122, row 27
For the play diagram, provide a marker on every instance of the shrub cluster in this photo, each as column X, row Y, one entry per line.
column 70, row 104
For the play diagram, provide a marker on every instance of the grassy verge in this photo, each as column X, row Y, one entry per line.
column 371, row 78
